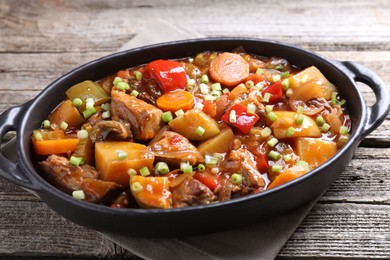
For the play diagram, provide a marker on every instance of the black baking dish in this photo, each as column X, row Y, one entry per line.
column 197, row 219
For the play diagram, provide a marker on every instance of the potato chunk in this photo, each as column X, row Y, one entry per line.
column 314, row 151
column 112, row 168
column 187, row 124
column 151, row 192
column 218, row 144
column 286, row 119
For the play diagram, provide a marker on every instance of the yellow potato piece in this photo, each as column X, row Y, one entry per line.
column 112, row 168
column 314, row 151
column 187, row 124
column 217, row 144
column 286, row 119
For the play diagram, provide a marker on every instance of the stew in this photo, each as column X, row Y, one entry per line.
column 193, row 131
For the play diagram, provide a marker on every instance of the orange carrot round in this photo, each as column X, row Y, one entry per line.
column 229, row 69
column 176, row 100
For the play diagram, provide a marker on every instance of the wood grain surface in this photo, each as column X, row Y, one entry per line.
column 40, row 40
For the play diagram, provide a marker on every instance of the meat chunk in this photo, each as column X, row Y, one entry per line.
column 191, row 192
column 113, row 129
column 242, row 161
column 145, row 119
column 174, row 148
column 71, row 178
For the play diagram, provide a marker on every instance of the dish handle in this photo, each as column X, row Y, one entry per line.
column 10, row 170
column 376, row 113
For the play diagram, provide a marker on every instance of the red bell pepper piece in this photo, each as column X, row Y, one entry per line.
column 210, row 180
column 261, row 162
column 169, row 74
column 275, row 90
column 244, row 120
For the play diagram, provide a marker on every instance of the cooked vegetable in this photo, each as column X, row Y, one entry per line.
column 169, row 74
column 175, row 100
column 55, row 146
column 87, row 89
column 193, row 131
column 218, row 144
column 115, row 169
column 286, row 119
column 187, row 124
column 314, row 151
column 66, row 112
column 157, row 196
column 229, row 69
column 287, row 175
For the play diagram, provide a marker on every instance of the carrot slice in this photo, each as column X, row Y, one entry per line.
column 287, row 175
column 229, row 69
column 55, row 146
column 175, row 100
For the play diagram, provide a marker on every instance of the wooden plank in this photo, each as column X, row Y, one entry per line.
column 74, row 25
column 348, row 230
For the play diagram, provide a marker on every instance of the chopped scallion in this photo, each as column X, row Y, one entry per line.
column 136, row 187
column 276, row 168
column 236, row 178
column 201, row 167
column 279, row 67
column 289, row 92
column 215, row 170
column 122, row 85
column 216, row 86
column 63, row 125
column 89, row 103
column 46, row 124
column 131, row 171
column 76, row 161
column 225, row 90
column 38, row 136
column 78, row 194
column 303, row 164
column 272, row 116
column 265, row 132
column 82, row 134
column 272, row 142
column 89, row 112
column 106, row 106
column 259, row 86
column 232, row 116
column 144, row 171
column 179, row 113
column 134, row 93
column 286, row 84
column 200, row 131
column 269, row 108
column 210, row 160
column 299, row 119
column 121, row 155
column 215, row 93
column 333, row 99
column 185, row 167
column 325, row 127
column 106, row 114
column 276, row 78
column 343, row 130
column 300, row 109
column 287, row 157
column 320, row 120
column 138, row 75
column 204, row 89
column 167, row 116
column 249, row 84
column 161, row 168
column 290, row 131
column 205, row 79
column 77, row 102
column 117, row 80
column 285, row 74
column 274, row 155
column 266, row 97
column 190, row 82
column 251, row 108
column 259, row 71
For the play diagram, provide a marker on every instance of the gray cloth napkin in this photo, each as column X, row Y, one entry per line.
column 258, row 241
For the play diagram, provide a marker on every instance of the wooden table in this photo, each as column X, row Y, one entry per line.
column 40, row 40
